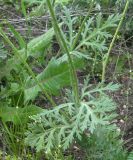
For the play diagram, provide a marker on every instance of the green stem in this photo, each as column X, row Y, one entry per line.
column 16, row 52
column 105, row 61
column 53, row 2
column 60, row 36
column 82, row 26
column 9, row 138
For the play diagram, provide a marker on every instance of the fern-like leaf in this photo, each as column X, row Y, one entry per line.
column 66, row 122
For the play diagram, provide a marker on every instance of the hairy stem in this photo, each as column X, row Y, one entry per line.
column 74, row 79
column 16, row 52
column 105, row 61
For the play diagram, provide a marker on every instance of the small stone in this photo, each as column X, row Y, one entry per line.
column 121, row 121
column 124, row 106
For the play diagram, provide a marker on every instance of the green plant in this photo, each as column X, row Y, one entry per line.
column 78, row 116
column 104, row 144
column 15, row 97
column 67, row 122
column 60, row 126
column 106, row 57
column 93, row 35
column 74, row 120
column 130, row 156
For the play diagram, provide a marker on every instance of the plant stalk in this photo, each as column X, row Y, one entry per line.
column 74, row 79
column 16, row 52
column 105, row 61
